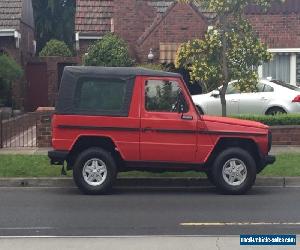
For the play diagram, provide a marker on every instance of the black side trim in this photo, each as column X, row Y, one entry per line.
column 57, row 157
column 98, row 128
column 173, row 131
column 216, row 132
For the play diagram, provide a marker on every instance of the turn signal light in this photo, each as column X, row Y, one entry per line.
column 296, row 99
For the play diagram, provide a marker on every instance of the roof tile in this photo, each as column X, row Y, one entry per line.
column 10, row 14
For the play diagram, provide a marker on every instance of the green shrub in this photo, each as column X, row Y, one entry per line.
column 9, row 71
column 110, row 51
column 283, row 119
column 56, row 48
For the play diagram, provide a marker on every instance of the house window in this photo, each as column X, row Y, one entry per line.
column 278, row 68
column 284, row 66
column 168, row 52
column 298, row 70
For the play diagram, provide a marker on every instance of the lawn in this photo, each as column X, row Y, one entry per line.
column 38, row 166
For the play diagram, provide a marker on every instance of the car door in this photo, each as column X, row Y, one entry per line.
column 232, row 96
column 255, row 102
column 166, row 134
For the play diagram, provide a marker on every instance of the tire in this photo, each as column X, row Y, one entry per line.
column 94, row 171
column 234, row 171
column 275, row 111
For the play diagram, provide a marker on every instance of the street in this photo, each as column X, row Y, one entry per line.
column 132, row 212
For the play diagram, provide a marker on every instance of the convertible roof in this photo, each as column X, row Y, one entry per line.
column 117, row 71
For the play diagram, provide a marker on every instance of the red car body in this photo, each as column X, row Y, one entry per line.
column 159, row 140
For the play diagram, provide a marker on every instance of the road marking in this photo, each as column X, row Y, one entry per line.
column 26, row 228
column 202, row 224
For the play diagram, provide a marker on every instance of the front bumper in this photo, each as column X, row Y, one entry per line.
column 57, row 157
column 265, row 161
column 269, row 159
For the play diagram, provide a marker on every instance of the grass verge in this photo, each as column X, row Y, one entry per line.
column 38, row 166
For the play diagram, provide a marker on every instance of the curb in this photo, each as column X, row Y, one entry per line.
column 158, row 182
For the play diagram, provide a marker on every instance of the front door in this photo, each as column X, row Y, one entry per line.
column 167, row 134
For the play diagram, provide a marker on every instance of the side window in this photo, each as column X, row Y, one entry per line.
column 231, row 89
column 260, row 87
column 95, row 94
column 164, row 96
column 268, row 88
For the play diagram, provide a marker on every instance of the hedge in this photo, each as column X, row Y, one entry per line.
column 110, row 51
column 56, row 48
column 276, row 120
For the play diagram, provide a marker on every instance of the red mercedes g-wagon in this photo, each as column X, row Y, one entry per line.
column 109, row 120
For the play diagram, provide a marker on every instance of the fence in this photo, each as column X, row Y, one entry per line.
column 18, row 131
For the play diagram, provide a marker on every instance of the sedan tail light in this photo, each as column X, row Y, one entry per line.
column 296, row 99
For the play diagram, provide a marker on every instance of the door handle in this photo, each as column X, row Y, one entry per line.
column 234, row 100
column 187, row 117
column 264, row 98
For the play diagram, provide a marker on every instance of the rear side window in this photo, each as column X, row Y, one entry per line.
column 100, row 95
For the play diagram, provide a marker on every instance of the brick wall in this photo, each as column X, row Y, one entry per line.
column 43, row 127
column 53, row 64
column 53, row 74
column 286, row 135
column 277, row 30
column 131, row 18
column 182, row 23
column 26, row 43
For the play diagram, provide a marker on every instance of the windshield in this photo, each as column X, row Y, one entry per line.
column 286, row 85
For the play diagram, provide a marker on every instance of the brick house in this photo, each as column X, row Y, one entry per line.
column 17, row 35
column 17, row 29
column 163, row 25
column 160, row 25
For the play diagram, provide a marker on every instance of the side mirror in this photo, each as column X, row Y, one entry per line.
column 215, row 93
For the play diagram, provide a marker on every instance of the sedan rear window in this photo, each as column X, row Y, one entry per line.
column 286, row 85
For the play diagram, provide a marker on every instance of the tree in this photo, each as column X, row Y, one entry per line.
column 55, row 48
column 110, row 51
column 54, row 19
column 9, row 71
column 230, row 50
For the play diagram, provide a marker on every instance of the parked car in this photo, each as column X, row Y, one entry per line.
column 109, row 120
column 271, row 97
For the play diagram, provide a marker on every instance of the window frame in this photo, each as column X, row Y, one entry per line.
column 179, row 83
column 125, row 108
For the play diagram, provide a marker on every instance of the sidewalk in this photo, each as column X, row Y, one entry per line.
column 132, row 243
column 43, row 151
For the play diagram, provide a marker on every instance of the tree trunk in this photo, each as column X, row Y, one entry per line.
column 223, row 23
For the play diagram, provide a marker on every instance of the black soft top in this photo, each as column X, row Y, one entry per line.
column 117, row 71
column 73, row 74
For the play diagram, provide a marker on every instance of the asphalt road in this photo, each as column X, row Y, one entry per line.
column 65, row 212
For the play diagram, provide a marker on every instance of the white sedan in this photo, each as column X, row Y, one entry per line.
column 272, row 97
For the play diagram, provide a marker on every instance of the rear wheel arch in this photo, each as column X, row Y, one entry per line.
column 85, row 142
column 274, row 108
